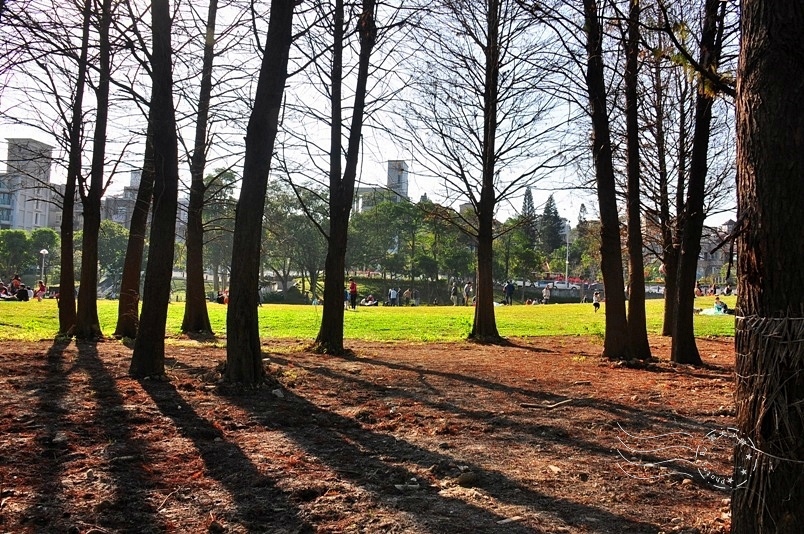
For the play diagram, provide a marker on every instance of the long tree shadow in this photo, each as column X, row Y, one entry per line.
column 374, row 461
column 260, row 506
column 680, row 454
column 49, row 423
column 633, row 417
column 126, row 453
column 66, row 437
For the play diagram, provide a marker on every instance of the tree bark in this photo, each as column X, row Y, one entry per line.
column 66, row 303
column 615, row 345
column 196, row 316
column 243, row 354
column 87, row 324
column 769, row 456
column 484, row 327
column 684, row 349
column 637, row 318
column 128, row 308
column 330, row 335
column 148, row 358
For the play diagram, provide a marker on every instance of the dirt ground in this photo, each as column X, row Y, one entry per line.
column 539, row 436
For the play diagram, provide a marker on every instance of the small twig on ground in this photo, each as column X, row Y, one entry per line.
column 545, row 406
column 169, row 495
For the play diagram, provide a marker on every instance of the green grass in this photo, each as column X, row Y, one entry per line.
column 33, row 320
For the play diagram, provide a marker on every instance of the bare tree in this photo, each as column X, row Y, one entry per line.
column 684, row 349
column 480, row 114
column 769, row 456
column 243, row 355
column 616, row 343
column 149, row 346
column 87, row 324
column 196, row 318
column 637, row 318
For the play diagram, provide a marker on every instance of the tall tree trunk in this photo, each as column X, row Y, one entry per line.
column 87, row 323
column 243, row 355
column 637, row 318
column 684, row 349
column 674, row 227
column 484, row 327
column 769, row 459
column 615, row 345
column 128, row 309
column 67, row 311
column 330, row 335
column 196, row 316
column 149, row 347
column 663, row 215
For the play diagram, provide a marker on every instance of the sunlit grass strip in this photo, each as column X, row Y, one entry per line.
column 33, row 321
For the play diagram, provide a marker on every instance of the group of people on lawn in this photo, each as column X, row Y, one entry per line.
column 395, row 297
column 16, row 290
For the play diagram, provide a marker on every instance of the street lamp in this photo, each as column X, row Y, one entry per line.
column 566, row 265
column 44, row 253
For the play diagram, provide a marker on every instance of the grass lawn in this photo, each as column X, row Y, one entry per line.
column 33, row 321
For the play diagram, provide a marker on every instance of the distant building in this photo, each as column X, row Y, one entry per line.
column 26, row 195
column 711, row 264
column 394, row 190
column 120, row 208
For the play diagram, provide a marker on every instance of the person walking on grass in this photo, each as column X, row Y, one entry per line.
column 596, row 300
column 352, row 293
column 467, row 291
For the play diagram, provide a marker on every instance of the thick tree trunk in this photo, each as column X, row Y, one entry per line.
column 485, row 323
column 637, row 318
column 87, row 324
column 128, row 308
column 330, row 335
column 615, row 345
column 66, row 303
column 769, row 456
column 684, row 349
column 148, row 358
column 243, row 354
column 196, row 316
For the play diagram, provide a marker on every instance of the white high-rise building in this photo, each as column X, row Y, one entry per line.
column 25, row 189
column 395, row 189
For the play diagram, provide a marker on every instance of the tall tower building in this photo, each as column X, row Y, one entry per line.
column 25, row 194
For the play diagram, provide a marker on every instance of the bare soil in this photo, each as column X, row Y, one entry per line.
column 538, row 436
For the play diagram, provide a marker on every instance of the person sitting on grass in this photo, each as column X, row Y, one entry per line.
column 22, row 294
column 720, row 306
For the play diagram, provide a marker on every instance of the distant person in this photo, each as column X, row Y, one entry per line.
column 727, row 289
column 596, row 300
column 698, row 290
column 22, row 294
column 546, row 294
column 467, row 292
column 15, row 284
column 508, row 290
column 453, row 294
column 41, row 290
column 352, row 293
column 416, row 299
column 392, row 296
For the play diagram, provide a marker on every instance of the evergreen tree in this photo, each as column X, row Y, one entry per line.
column 529, row 217
column 551, row 227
